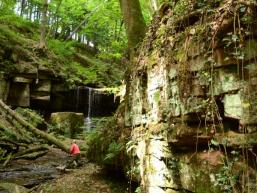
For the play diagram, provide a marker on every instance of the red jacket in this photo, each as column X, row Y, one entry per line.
column 74, row 149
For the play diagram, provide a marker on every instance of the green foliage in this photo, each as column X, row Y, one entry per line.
column 227, row 176
column 13, row 37
column 113, row 152
column 138, row 190
column 103, row 145
column 100, row 22
column 31, row 116
column 7, row 133
column 61, row 49
column 63, row 129
column 6, row 6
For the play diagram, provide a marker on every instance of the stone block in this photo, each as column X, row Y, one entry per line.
column 226, row 81
column 59, row 87
column 197, row 88
column 41, row 98
column 19, row 94
column 233, row 106
column 22, row 80
column 240, row 106
column 197, row 63
column 43, row 86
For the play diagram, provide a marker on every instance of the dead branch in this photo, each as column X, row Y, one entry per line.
column 50, row 138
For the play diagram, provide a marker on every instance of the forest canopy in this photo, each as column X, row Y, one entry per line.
column 91, row 31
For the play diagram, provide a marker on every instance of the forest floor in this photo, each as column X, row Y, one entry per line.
column 89, row 178
column 43, row 176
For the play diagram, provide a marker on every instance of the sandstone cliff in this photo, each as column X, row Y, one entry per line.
column 192, row 99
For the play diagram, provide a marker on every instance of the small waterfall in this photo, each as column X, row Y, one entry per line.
column 90, row 102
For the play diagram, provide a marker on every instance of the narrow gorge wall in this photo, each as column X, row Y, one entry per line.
column 192, row 101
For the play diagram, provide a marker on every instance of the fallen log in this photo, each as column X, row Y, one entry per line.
column 48, row 137
column 14, row 142
column 8, row 159
column 31, row 150
column 32, row 155
column 19, row 136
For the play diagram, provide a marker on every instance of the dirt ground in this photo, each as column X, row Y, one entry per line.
column 86, row 179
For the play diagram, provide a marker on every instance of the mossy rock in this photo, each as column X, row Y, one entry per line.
column 12, row 188
column 67, row 123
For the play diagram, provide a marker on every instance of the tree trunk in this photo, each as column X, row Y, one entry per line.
column 134, row 22
column 43, row 24
column 23, row 5
column 34, row 130
column 76, row 29
column 54, row 26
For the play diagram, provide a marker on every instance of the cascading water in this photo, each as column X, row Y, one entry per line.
column 90, row 102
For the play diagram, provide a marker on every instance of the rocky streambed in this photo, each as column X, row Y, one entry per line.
column 42, row 175
column 29, row 173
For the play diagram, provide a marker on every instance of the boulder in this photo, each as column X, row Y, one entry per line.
column 67, row 123
column 12, row 188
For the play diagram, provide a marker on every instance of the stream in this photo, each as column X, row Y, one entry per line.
column 42, row 176
column 29, row 173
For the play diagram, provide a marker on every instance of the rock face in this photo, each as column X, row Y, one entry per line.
column 4, row 87
column 192, row 93
column 50, row 94
column 67, row 123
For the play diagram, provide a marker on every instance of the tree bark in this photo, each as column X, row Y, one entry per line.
column 134, row 22
column 23, row 5
column 42, row 44
column 34, row 130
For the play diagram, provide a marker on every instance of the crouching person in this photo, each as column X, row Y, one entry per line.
column 75, row 153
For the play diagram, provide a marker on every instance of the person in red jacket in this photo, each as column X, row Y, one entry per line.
column 75, row 152
column 74, row 149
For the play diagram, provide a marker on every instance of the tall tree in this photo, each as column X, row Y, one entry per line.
column 23, row 5
column 42, row 44
column 134, row 21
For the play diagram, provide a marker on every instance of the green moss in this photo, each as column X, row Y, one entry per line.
column 157, row 96
column 152, row 60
